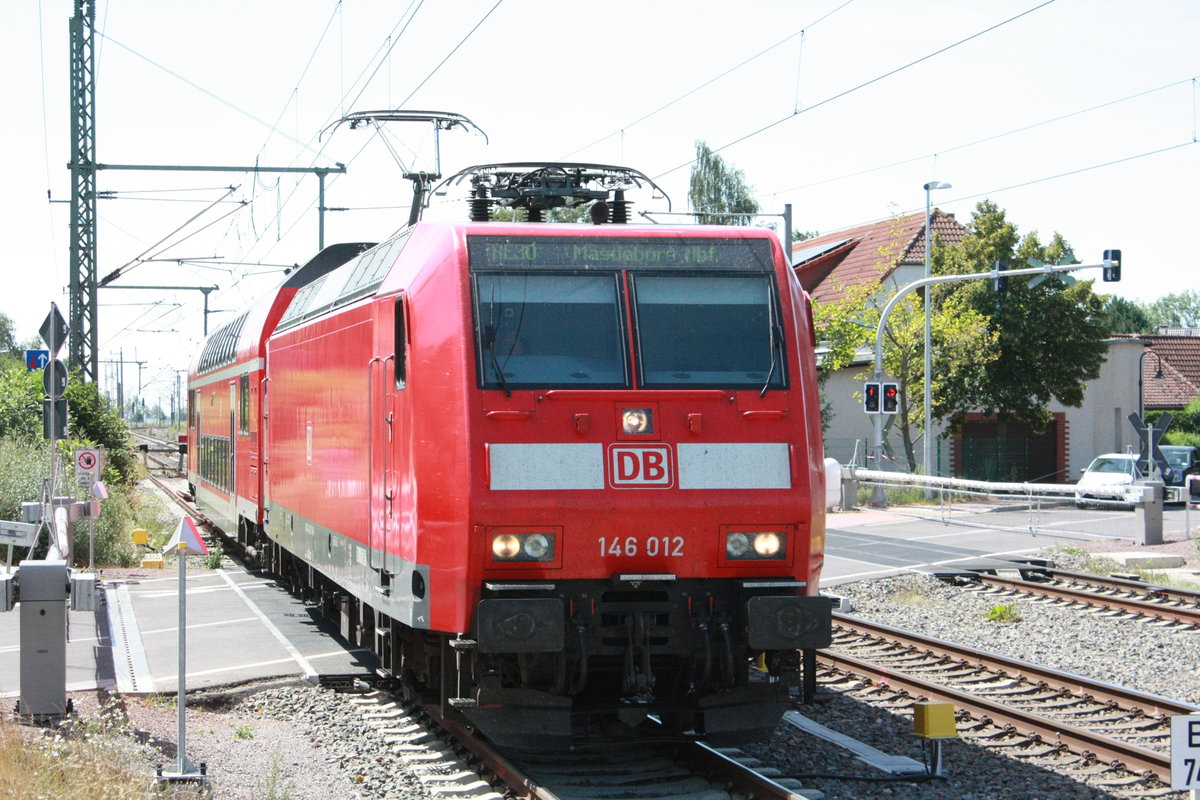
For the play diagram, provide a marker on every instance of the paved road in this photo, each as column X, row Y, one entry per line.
column 861, row 545
column 243, row 626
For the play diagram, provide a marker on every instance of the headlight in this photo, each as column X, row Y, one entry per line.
column 767, row 545
column 536, row 546
column 521, row 547
column 637, row 420
column 737, row 545
column 755, row 546
column 505, row 546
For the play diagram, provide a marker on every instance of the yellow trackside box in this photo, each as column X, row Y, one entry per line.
column 140, row 536
column 934, row 721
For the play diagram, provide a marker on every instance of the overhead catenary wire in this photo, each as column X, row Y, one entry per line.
column 1030, row 182
column 863, row 85
column 709, row 82
column 375, row 131
column 128, row 265
column 984, row 140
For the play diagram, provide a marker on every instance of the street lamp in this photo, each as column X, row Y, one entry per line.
column 1141, row 374
column 927, row 446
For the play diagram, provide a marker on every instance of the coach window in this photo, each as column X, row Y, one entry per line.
column 244, row 405
column 718, row 331
column 401, row 348
column 191, row 408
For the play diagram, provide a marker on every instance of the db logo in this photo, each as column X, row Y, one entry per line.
column 648, row 465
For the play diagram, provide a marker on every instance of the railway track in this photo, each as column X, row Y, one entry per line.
column 1072, row 723
column 451, row 759
column 1098, row 732
column 1116, row 596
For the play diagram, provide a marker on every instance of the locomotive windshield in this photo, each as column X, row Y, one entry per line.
column 550, row 313
column 549, row 330
column 700, row 330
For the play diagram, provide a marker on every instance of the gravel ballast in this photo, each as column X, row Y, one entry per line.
column 292, row 740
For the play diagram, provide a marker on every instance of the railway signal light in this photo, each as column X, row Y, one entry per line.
column 1112, row 265
column 891, row 398
column 871, row 398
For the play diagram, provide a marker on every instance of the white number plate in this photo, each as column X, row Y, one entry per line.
column 653, row 546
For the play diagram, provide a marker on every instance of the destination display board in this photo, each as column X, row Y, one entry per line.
column 610, row 253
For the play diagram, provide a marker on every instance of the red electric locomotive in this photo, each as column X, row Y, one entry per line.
column 553, row 474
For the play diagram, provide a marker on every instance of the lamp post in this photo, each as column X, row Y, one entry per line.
column 1141, row 375
column 927, row 442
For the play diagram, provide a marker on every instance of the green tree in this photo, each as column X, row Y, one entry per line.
column 1050, row 331
column 1126, row 316
column 959, row 333
column 10, row 354
column 1178, row 310
column 717, row 188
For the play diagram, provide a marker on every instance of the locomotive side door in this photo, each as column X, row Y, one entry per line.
column 384, row 438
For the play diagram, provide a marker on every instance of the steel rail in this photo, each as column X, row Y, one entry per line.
column 1129, row 584
column 1183, row 616
column 737, row 776
column 1152, row 704
column 517, row 780
column 1133, row 758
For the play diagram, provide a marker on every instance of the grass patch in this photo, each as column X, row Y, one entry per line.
column 896, row 496
column 1165, row 579
column 911, row 594
column 1004, row 613
column 80, row 762
column 275, row 788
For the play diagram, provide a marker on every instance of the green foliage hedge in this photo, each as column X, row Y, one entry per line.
column 25, row 461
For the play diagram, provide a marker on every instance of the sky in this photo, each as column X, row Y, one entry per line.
column 1075, row 116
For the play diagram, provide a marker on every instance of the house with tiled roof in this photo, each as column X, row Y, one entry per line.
column 891, row 254
column 890, row 251
column 1170, row 366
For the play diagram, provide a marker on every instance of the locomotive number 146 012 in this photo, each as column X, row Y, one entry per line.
column 628, row 546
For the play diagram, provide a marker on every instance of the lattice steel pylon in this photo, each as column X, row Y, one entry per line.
column 83, row 351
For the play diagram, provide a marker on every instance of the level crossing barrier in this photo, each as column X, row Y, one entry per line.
column 1132, row 512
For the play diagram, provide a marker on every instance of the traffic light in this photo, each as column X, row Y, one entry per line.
column 871, row 398
column 891, row 398
column 1112, row 265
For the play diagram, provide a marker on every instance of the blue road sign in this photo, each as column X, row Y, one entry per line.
column 36, row 359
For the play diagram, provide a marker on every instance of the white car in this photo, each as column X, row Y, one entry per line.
column 1109, row 471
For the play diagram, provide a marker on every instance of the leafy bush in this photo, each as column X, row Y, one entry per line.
column 22, row 465
column 91, row 423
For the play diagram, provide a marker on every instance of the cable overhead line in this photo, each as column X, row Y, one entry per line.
column 206, row 92
column 707, row 83
column 1068, row 173
column 138, row 259
column 984, row 140
column 442, row 63
column 877, row 79
column 376, row 131
column 394, row 38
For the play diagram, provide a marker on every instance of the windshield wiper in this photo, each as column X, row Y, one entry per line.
column 489, row 343
column 776, row 348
